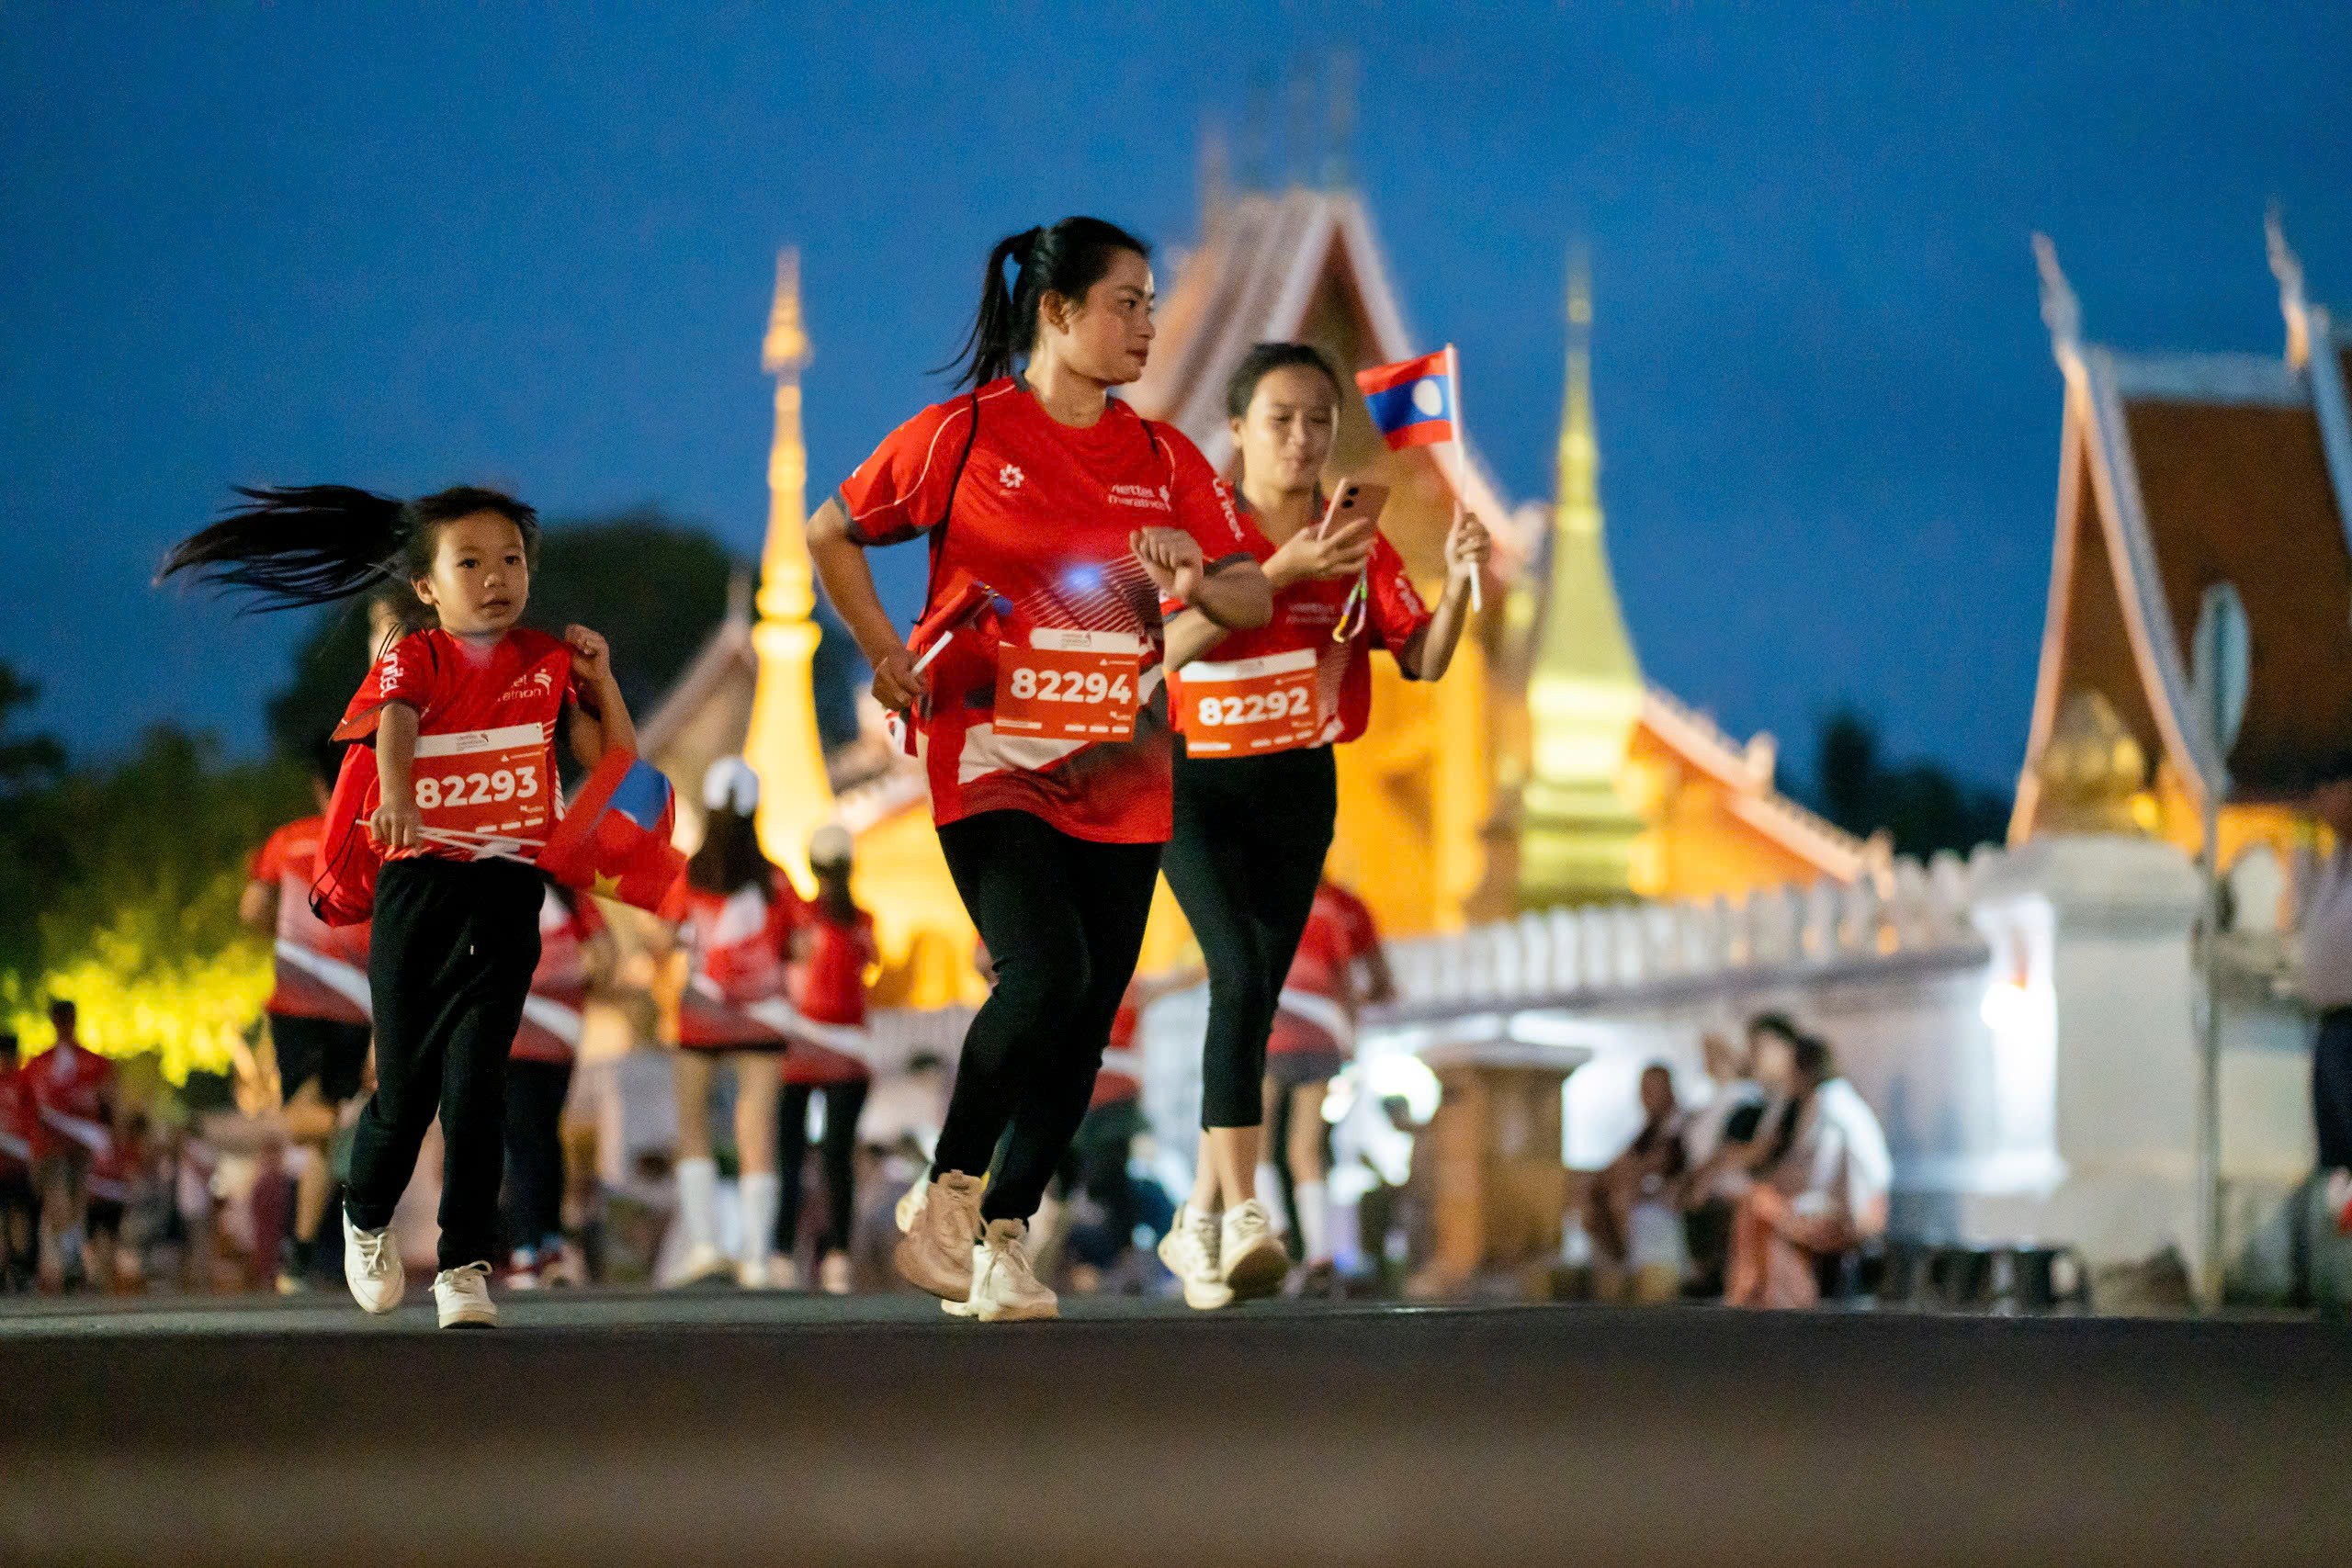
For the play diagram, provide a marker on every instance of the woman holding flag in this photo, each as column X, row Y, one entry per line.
column 1257, row 794
column 1043, row 720
column 455, row 785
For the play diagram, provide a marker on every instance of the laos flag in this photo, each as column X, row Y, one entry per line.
column 1414, row 402
column 614, row 842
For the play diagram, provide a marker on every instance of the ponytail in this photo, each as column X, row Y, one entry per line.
column 312, row 544
column 1067, row 258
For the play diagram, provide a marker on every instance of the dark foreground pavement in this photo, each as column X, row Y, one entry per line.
column 715, row 1429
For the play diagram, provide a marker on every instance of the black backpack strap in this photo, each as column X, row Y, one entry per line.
column 954, row 482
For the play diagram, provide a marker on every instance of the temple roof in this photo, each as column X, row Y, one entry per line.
column 2179, row 471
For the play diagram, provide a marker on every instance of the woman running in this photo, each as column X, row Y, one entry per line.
column 832, row 948
column 1254, row 817
column 1043, row 723
column 538, row 1080
column 739, row 912
column 462, row 719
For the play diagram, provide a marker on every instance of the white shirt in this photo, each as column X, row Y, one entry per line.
column 1841, row 1150
column 2327, row 933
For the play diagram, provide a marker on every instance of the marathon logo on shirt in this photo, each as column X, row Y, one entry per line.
column 1142, row 496
column 538, row 683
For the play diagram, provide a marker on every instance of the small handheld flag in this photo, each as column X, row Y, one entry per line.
column 930, row 637
column 1418, row 402
column 1413, row 401
column 615, row 839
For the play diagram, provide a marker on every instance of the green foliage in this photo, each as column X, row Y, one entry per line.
column 655, row 587
column 1924, row 806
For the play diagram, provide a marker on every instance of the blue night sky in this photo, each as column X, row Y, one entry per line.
column 536, row 249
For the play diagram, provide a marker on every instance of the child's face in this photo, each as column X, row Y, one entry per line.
column 480, row 580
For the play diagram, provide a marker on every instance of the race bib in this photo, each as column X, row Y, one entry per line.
column 484, row 782
column 1069, row 685
column 1250, row 705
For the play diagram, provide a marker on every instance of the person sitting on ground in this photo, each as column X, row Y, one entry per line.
column 1719, row 1143
column 1821, row 1191
column 1644, row 1173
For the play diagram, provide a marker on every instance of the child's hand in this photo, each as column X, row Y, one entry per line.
column 397, row 825
column 591, row 656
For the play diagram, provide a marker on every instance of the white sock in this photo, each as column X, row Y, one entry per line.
column 1314, row 1223
column 698, row 1201
column 1269, row 1193
column 762, row 1193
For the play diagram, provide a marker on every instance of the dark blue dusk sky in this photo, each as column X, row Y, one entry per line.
column 400, row 247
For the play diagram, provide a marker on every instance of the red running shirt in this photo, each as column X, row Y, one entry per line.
column 1041, row 513
column 736, row 944
column 17, row 1120
column 1220, row 699
column 828, row 980
column 1340, row 930
column 322, row 970
column 69, row 1085
column 486, row 720
column 550, row 1028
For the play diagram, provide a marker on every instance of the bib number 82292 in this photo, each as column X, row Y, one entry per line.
column 1255, row 708
column 1245, row 705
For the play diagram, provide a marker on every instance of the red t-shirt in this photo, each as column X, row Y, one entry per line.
column 69, row 1085
column 736, row 943
column 1042, row 515
column 829, row 978
column 486, row 721
column 1340, row 930
column 17, row 1120
column 550, row 1028
column 1121, row 1079
column 1338, row 694
column 322, row 970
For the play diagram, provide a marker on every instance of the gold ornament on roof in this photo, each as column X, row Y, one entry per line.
column 2092, row 771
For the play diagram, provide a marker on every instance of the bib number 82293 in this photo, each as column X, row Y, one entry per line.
column 484, row 780
column 519, row 782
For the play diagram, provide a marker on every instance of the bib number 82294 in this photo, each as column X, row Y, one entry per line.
column 1066, row 684
column 1030, row 682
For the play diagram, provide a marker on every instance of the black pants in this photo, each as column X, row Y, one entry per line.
column 535, row 1097
column 844, row 1102
column 2332, row 1088
column 1063, row 918
column 451, row 958
column 1251, row 836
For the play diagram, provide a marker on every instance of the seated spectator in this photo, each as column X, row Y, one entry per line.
column 1720, row 1143
column 1641, row 1178
column 1821, row 1184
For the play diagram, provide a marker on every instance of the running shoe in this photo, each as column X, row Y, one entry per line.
column 1190, row 1250
column 371, row 1267
column 832, row 1274
column 762, row 1274
column 2339, row 1198
column 701, row 1263
column 461, row 1297
column 523, row 1271
column 1003, row 1288
column 910, row 1202
column 936, row 1253
column 1250, row 1256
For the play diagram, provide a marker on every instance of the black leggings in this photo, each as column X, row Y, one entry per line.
column 1063, row 918
column 844, row 1102
column 2332, row 1088
column 448, row 965
column 1251, row 836
column 535, row 1096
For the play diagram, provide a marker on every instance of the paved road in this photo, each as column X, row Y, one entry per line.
column 613, row 1428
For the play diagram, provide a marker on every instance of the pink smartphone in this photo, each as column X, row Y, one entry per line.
column 1354, row 498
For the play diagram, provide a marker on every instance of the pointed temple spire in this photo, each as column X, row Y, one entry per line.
column 1577, row 830
column 782, row 746
column 2288, row 268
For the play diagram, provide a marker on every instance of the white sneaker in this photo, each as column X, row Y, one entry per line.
column 832, row 1274
column 1190, row 1251
column 910, row 1205
column 461, row 1297
column 371, row 1267
column 1250, row 1257
column 700, row 1263
column 936, row 1254
column 755, row 1274
column 1003, row 1289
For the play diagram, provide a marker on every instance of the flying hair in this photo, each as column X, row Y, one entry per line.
column 300, row 545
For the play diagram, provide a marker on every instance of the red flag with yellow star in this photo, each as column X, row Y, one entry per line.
column 614, row 840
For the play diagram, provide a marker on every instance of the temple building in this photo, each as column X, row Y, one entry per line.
column 1542, row 770
column 2180, row 473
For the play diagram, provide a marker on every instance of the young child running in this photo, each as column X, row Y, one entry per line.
column 462, row 719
